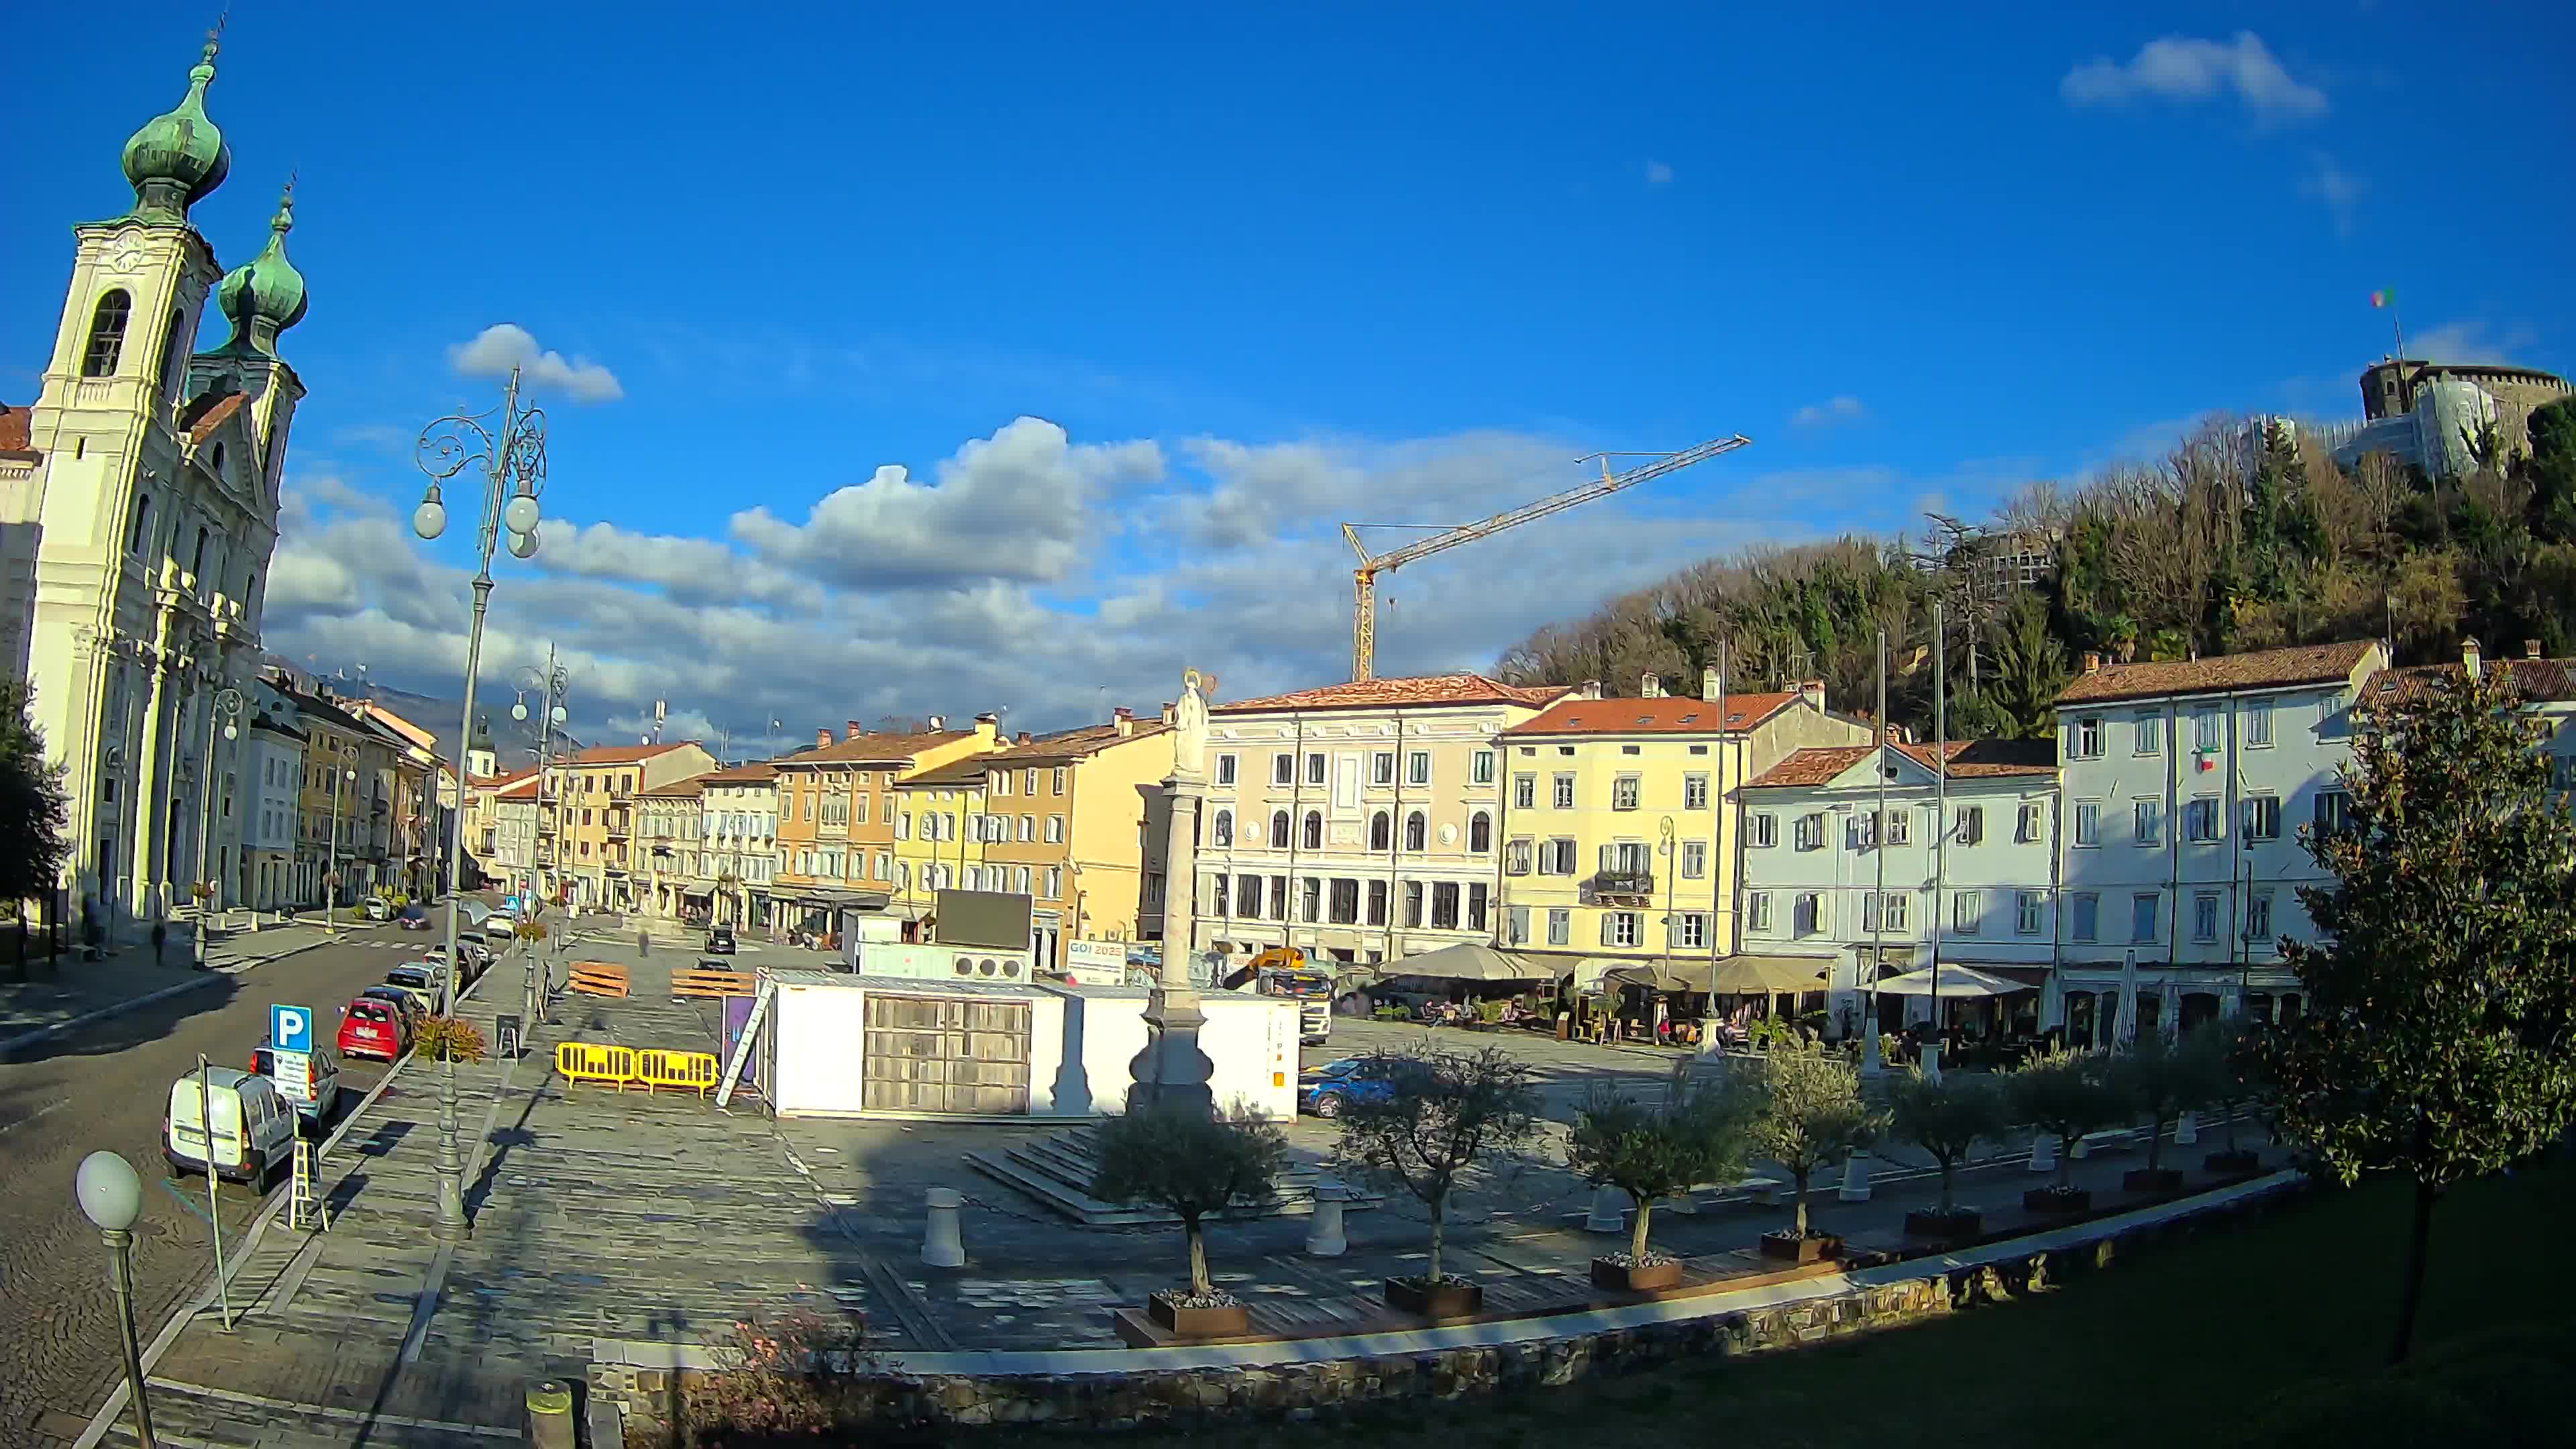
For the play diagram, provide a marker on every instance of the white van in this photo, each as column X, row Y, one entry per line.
column 254, row 1128
column 314, row 1093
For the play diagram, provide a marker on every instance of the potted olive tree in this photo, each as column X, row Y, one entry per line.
column 2235, row 1081
column 2066, row 1094
column 1810, row 1119
column 1947, row 1117
column 1189, row 1165
column 1695, row 1135
column 1447, row 1120
column 2162, row 1078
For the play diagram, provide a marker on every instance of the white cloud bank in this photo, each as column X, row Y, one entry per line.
column 497, row 349
column 1832, row 412
column 2187, row 70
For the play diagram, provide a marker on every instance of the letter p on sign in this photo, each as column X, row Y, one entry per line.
column 290, row 1028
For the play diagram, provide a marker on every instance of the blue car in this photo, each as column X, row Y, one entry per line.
column 1325, row 1090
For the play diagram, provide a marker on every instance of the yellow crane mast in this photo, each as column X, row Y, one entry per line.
column 1364, row 578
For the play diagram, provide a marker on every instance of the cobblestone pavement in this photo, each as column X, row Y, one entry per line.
column 57, row 991
column 103, row 1085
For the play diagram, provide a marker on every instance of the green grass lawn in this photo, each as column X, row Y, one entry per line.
column 2170, row 1347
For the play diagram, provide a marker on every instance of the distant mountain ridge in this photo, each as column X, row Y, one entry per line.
column 514, row 742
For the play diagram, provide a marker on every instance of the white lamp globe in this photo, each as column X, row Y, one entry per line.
column 110, row 1194
column 523, row 544
column 560, row 715
column 519, row 711
column 429, row 520
column 519, row 515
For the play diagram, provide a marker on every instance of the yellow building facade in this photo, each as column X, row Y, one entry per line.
column 1621, row 822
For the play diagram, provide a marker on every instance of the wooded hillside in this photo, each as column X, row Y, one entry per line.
column 2237, row 540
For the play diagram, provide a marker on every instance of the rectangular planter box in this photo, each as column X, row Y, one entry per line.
column 2151, row 1179
column 1448, row 1298
column 1944, row 1227
column 1619, row 1278
column 2049, row 1200
column 1234, row 1318
column 1810, row 1249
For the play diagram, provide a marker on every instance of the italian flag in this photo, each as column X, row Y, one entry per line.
column 2383, row 297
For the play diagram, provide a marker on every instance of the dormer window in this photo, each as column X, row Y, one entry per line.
column 219, row 460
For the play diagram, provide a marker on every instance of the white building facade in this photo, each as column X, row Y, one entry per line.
column 271, row 823
column 1358, row 822
column 2186, row 785
column 143, row 495
column 1829, row 878
column 738, row 835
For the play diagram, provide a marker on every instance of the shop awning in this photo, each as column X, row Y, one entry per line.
column 1763, row 975
column 1956, row 981
column 1467, row 961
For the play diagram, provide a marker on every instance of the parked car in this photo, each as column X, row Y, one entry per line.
column 720, row 941
column 500, row 926
column 402, row 1000
column 251, row 1139
column 317, row 1094
column 425, row 980
column 373, row 1028
column 379, row 909
column 1327, row 1089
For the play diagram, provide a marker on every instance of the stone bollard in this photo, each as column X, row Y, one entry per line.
column 1932, row 1061
column 2083, row 1149
column 1856, row 1178
column 1324, row 1237
column 2186, row 1129
column 1609, row 1211
column 941, row 1247
column 550, row 1414
column 2043, row 1153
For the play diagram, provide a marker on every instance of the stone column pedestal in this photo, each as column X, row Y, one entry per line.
column 1855, row 1186
column 1324, row 1236
column 2043, row 1153
column 2187, row 1129
column 941, row 1244
column 1609, row 1212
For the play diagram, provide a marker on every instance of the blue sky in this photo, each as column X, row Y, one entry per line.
column 1265, row 273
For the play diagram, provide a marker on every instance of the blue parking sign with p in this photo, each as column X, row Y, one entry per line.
column 290, row 1028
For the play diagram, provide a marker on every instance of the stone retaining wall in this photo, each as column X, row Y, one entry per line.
column 1306, row 1390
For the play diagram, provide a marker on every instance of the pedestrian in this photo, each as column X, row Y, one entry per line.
column 643, row 941
column 160, row 938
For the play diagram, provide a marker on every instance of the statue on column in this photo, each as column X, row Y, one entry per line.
column 1190, row 721
column 1171, row 1073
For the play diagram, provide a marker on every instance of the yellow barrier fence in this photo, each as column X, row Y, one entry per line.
column 689, row 1071
column 581, row 1061
column 623, row 1067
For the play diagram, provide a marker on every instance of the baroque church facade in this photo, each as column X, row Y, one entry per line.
column 138, row 514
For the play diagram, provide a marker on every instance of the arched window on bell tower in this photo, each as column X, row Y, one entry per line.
column 107, row 334
column 174, row 352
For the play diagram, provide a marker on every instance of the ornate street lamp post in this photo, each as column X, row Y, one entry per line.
column 512, row 459
column 111, row 1197
column 227, row 710
column 331, row 876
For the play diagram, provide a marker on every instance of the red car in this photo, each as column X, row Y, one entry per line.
column 373, row 1028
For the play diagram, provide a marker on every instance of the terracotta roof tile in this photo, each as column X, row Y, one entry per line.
column 2266, row 669
column 873, row 749
column 2550, row 680
column 1066, row 746
column 758, row 772
column 1433, row 689
column 1969, row 759
column 968, row 772
column 207, row 413
column 678, row 789
column 16, row 426
column 1667, row 714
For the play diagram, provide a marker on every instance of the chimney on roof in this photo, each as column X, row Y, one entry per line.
column 2469, row 657
column 2530, row 648
column 939, row 721
column 1168, row 716
column 1022, row 738
column 1813, row 692
column 1588, row 689
column 822, row 736
column 2092, row 662
column 988, row 727
column 1651, row 687
column 1710, row 686
column 853, row 727
column 1123, row 720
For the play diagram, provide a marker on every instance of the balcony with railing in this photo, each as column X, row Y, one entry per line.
column 1622, row 886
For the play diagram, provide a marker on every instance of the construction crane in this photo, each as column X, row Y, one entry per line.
column 1364, row 578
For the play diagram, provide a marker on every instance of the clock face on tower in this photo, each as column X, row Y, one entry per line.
column 124, row 256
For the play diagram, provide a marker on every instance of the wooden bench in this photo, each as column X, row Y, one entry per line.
column 598, row 978
column 704, row 984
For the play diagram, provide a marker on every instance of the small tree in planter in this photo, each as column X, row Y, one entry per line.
column 1447, row 1120
column 2160, row 1079
column 445, row 1038
column 2235, row 1081
column 1811, row 1119
column 1189, row 1166
column 1947, row 1117
column 1697, row 1135
column 2065, row 1094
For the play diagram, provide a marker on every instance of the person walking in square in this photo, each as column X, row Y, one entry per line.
column 160, row 938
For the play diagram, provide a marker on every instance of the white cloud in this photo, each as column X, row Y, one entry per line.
column 1658, row 173
column 2338, row 189
column 1832, row 412
column 2472, row 341
column 1024, row 504
column 2184, row 69
column 499, row 348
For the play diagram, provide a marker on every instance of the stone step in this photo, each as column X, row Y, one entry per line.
column 1057, row 1169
